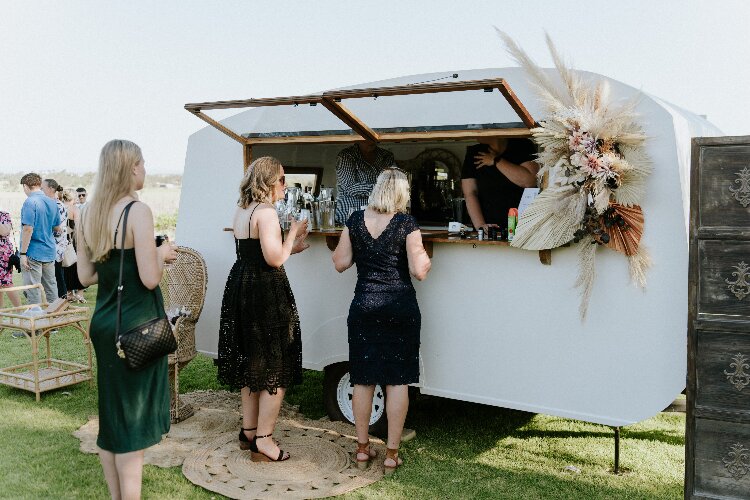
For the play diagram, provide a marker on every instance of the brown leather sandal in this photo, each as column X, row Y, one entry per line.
column 364, row 454
column 262, row 457
column 391, row 454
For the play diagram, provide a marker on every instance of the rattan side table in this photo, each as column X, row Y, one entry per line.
column 46, row 373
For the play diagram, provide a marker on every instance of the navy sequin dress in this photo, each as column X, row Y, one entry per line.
column 384, row 318
column 260, row 343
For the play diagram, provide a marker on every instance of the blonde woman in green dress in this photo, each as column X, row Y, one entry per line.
column 133, row 405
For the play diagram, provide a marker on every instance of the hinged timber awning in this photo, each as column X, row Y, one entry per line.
column 331, row 100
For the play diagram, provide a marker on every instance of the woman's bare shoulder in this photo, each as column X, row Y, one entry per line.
column 265, row 210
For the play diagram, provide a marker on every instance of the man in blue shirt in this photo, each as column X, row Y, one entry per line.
column 40, row 219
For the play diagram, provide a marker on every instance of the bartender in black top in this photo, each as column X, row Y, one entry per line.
column 493, row 177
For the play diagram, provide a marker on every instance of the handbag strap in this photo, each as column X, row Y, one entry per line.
column 124, row 219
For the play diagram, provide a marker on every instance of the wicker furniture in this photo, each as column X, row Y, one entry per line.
column 47, row 373
column 183, row 286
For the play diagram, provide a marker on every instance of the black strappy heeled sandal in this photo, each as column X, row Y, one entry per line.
column 259, row 456
column 245, row 442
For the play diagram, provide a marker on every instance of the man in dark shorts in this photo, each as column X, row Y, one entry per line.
column 493, row 177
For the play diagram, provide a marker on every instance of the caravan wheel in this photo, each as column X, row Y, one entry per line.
column 338, row 399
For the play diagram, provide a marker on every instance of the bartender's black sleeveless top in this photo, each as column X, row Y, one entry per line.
column 384, row 318
column 260, row 344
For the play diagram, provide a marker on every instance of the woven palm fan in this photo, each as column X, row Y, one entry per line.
column 551, row 220
column 626, row 240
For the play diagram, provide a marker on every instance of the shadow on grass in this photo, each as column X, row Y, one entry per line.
column 433, row 416
column 426, row 476
column 652, row 435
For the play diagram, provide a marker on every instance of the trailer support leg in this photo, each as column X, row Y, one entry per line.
column 617, row 450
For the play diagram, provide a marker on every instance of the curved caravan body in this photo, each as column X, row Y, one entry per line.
column 498, row 327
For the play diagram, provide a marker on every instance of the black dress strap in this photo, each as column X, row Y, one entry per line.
column 250, row 224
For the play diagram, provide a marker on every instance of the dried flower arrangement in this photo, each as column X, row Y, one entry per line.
column 592, row 151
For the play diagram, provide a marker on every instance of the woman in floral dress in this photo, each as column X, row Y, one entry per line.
column 6, row 250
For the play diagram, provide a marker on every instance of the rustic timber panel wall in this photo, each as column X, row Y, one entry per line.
column 717, row 438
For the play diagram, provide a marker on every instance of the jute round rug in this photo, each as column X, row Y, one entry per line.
column 321, row 465
column 206, row 446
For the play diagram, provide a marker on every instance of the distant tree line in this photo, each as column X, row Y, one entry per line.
column 85, row 179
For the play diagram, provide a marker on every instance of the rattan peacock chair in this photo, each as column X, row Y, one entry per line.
column 183, row 285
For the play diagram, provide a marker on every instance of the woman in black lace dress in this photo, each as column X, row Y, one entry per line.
column 384, row 319
column 260, row 347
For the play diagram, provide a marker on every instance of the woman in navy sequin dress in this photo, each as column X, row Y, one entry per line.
column 384, row 319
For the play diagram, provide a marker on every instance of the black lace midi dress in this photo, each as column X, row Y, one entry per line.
column 260, row 344
column 384, row 319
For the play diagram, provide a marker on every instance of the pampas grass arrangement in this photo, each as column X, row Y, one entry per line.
column 593, row 152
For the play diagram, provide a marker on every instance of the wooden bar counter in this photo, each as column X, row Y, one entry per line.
column 429, row 237
column 432, row 236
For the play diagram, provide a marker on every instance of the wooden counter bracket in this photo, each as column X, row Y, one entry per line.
column 545, row 257
column 332, row 242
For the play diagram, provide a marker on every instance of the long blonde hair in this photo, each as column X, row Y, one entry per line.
column 391, row 192
column 259, row 181
column 114, row 180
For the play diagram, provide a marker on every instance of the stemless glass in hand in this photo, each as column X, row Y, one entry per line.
column 171, row 254
column 303, row 214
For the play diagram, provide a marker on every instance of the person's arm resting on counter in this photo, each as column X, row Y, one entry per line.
column 419, row 261
column 343, row 256
column 471, row 194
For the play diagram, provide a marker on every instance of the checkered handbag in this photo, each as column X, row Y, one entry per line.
column 149, row 341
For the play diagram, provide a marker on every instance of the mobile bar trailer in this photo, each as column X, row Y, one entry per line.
column 500, row 325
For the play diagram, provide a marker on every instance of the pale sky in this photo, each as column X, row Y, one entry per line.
column 74, row 74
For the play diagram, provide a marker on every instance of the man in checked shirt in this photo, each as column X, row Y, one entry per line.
column 357, row 169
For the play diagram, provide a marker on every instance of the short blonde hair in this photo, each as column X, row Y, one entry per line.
column 391, row 192
column 259, row 181
column 68, row 195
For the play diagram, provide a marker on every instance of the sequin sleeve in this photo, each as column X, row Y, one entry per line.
column 410, row 224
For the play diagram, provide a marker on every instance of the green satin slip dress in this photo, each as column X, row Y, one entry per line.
column 133, row 405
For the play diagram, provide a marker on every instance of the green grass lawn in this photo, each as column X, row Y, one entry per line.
column 462, row 450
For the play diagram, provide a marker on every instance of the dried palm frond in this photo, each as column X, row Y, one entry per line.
column 633, row 180
column 637, row 158
column 631, row 191
column 551, row 219
column 626, row 239
column 586, row 273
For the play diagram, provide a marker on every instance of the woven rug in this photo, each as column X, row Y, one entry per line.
column 206, row 446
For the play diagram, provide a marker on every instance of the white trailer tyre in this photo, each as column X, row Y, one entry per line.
column 338, row 391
